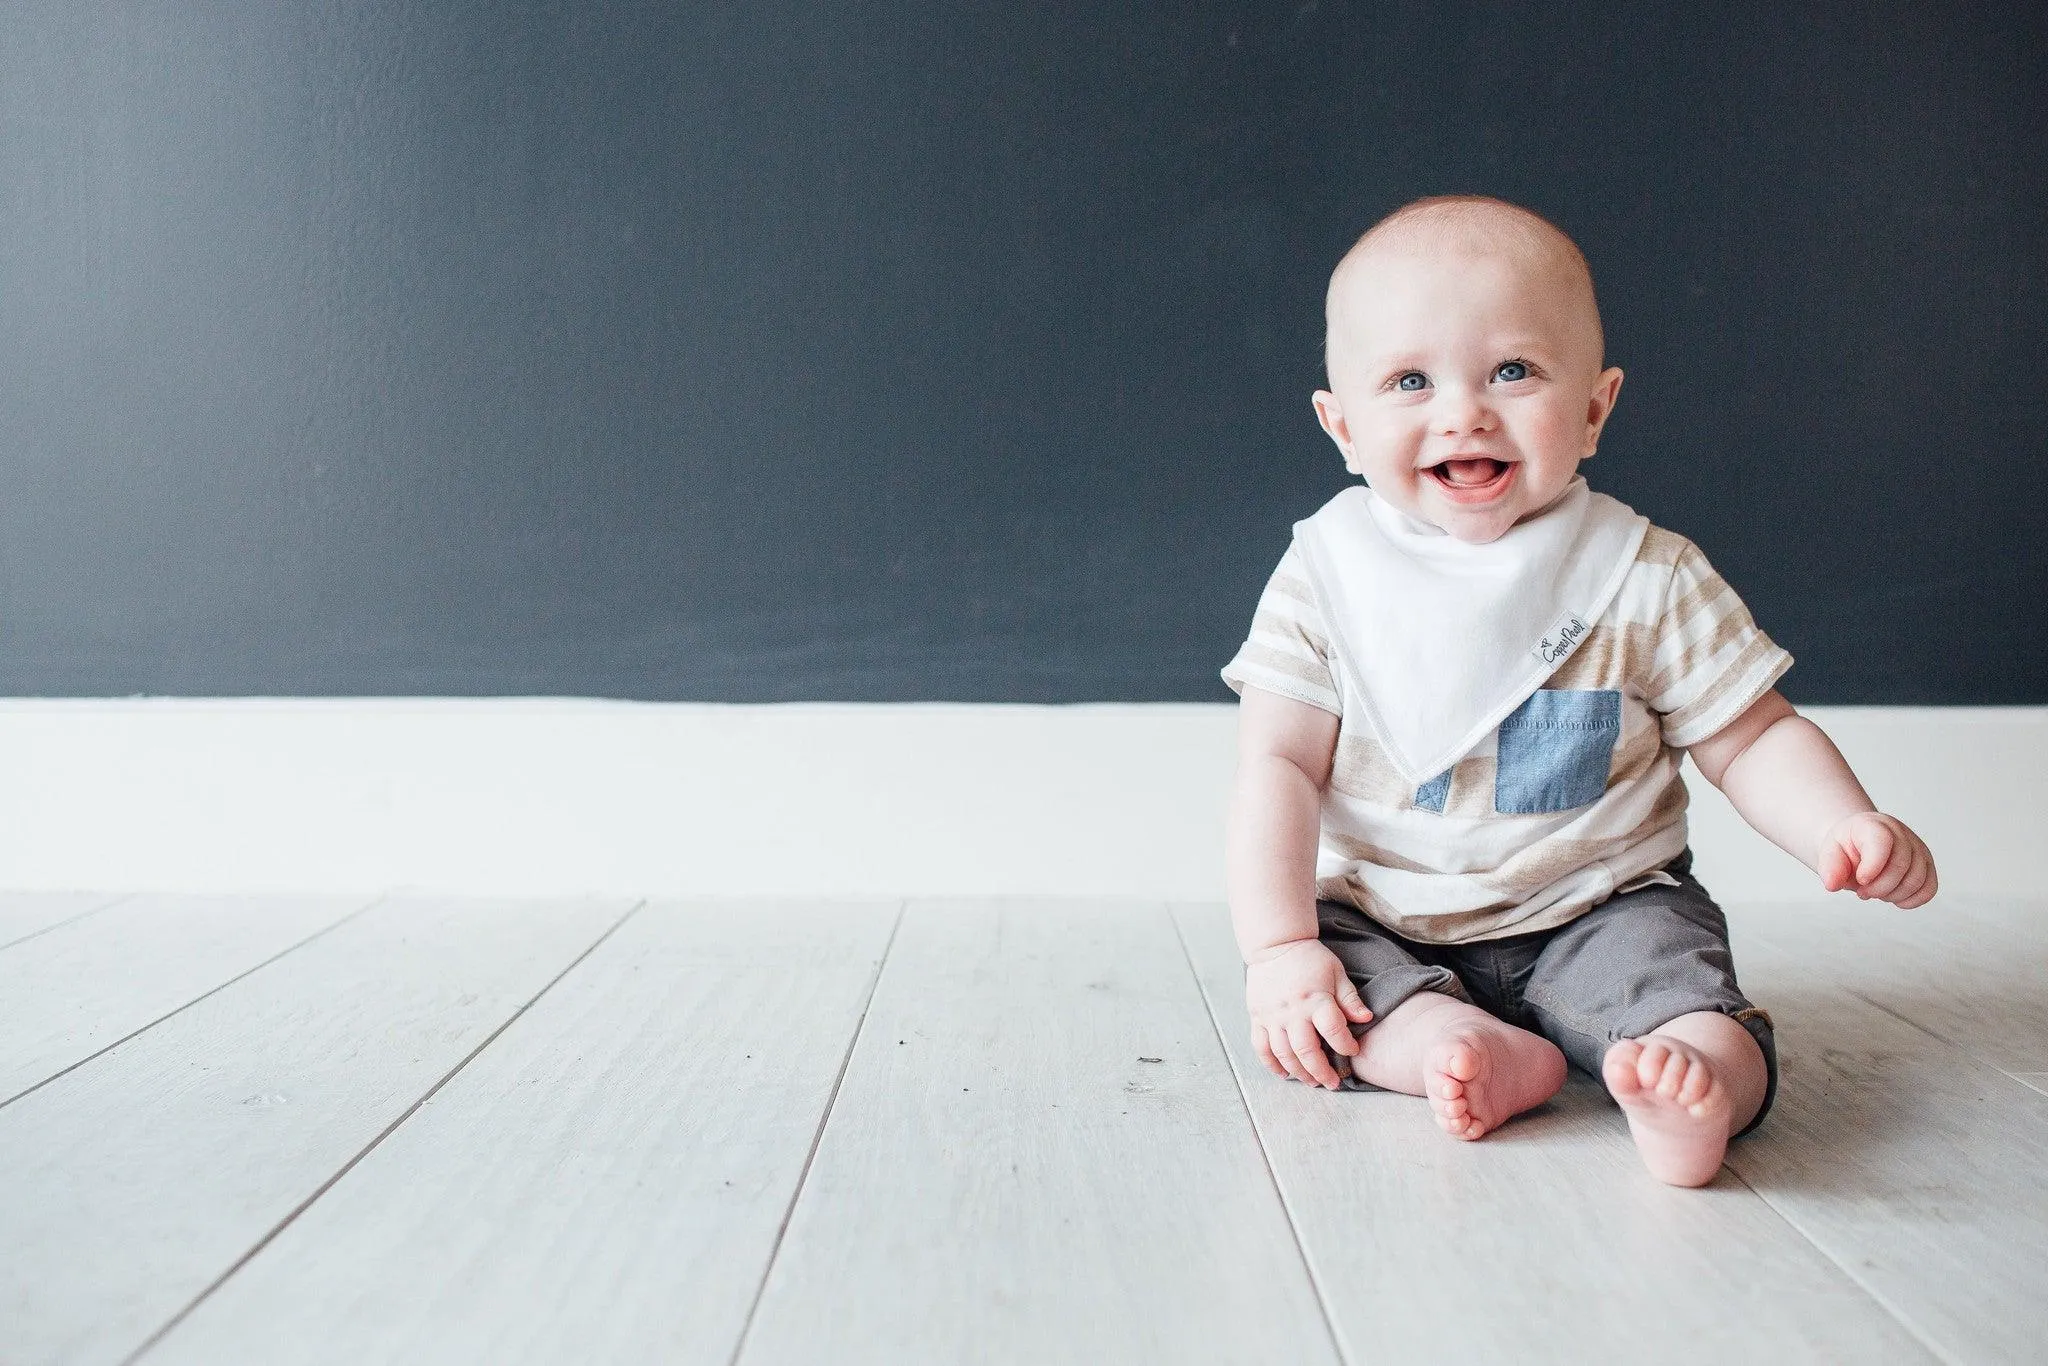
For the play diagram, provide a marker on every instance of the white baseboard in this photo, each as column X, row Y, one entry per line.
column 534, row 797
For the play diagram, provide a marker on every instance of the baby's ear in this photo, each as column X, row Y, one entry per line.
column 1600, row 407
column 1330, row 413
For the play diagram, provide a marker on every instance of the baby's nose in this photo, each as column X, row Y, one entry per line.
column 1464, row 411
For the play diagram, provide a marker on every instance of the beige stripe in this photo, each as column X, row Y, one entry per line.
column 1544, row 862
column 1363, row 771
column 1635, row 755
column 1287, row 586
column 1271, row 624
column 1717, row 693
column 1696, row 655
column 1662, row 547
column 1304, row 670
column 1541, row 864
column 1460, row 927
column 1704, row 597
column 1352, row 892
column 1360, row 851
column 1669, row 806
column 1611, row 656
column 1472, row 786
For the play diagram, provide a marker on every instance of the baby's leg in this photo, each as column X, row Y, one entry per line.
column 1685, row 1087
column 1477, row 1071
column 1641, row 990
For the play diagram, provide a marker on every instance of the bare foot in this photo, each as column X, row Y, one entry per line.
column 1677, row 1107
column 1477, row 1071
column 1481, row 1072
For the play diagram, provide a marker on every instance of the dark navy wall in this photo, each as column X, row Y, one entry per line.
column 959, row 350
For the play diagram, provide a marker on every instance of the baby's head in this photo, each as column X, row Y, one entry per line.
column 1464, row 352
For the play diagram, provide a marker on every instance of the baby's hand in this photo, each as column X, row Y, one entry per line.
column 1298, row 991
column 1876, row 856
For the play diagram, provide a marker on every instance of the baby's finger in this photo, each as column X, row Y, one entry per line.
column 1309, row 1049
column 1282, row 1054
column 1836, row 863
column 1919, row 883
column 1914, row 892
column 1288, row 1059
column 1354, row 1005
column 1926, row 893
column 1893, row 877
column 1334, row 1027
column 1265, row 1052
column 1875, row 849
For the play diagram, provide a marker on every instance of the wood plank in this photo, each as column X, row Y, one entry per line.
column 1968, row 971
column 26, row 914
column 133, row 1183
column 1914, row 1166
column 69, row 992
column 605, row 1182
column 1007, row 1178
column 1546, row 1241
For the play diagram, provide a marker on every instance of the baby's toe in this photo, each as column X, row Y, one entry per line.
column 1619, row 1068
column 1699, row 1083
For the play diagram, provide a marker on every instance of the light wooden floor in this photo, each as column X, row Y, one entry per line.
column 298, row 1130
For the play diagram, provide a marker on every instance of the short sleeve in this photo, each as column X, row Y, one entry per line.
column 1711, row 659
column 1288, row 650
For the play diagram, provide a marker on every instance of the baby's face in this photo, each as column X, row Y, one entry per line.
column 1466, row 386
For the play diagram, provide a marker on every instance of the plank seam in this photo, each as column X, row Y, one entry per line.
column 1315, row 1282
column 1904, row 1320
column 818, row 1137
column 1942, row 1039
column 265, row 1241
column 179, row 1010
column 106, row 905
column 1899, row 1316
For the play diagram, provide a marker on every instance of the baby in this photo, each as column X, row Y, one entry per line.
column 1457, row 838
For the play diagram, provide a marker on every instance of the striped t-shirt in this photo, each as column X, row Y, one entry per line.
column 1575, row 797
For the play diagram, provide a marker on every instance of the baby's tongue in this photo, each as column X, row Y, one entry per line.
column 1470, row 471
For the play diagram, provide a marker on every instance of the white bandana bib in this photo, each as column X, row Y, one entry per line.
column 1434, row 640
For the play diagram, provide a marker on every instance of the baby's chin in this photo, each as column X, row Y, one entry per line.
column 1475, row 531
column 1473, row 526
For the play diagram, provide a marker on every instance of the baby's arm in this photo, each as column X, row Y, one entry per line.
column 1790, row 782
column 1296, row 990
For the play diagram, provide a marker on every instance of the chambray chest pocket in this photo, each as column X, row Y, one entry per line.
column 1555, row 750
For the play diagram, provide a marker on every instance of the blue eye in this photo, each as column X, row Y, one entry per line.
column 1508, row 371
column 1414, row 382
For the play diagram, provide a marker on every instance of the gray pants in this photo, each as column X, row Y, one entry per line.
column 1632, row 963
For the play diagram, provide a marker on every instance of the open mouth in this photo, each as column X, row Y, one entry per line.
column 1472, row 477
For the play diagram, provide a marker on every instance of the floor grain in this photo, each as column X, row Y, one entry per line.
column 133, row 1183
column 604, row 1183
column 446, row 1130
column 89, row 982
column 1917, row 1168
column 23, row 915
column 1038, row 1155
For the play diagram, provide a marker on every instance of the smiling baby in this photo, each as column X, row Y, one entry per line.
column 1457, row 838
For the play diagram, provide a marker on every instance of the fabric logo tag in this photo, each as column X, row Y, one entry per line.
column 1563, row 637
